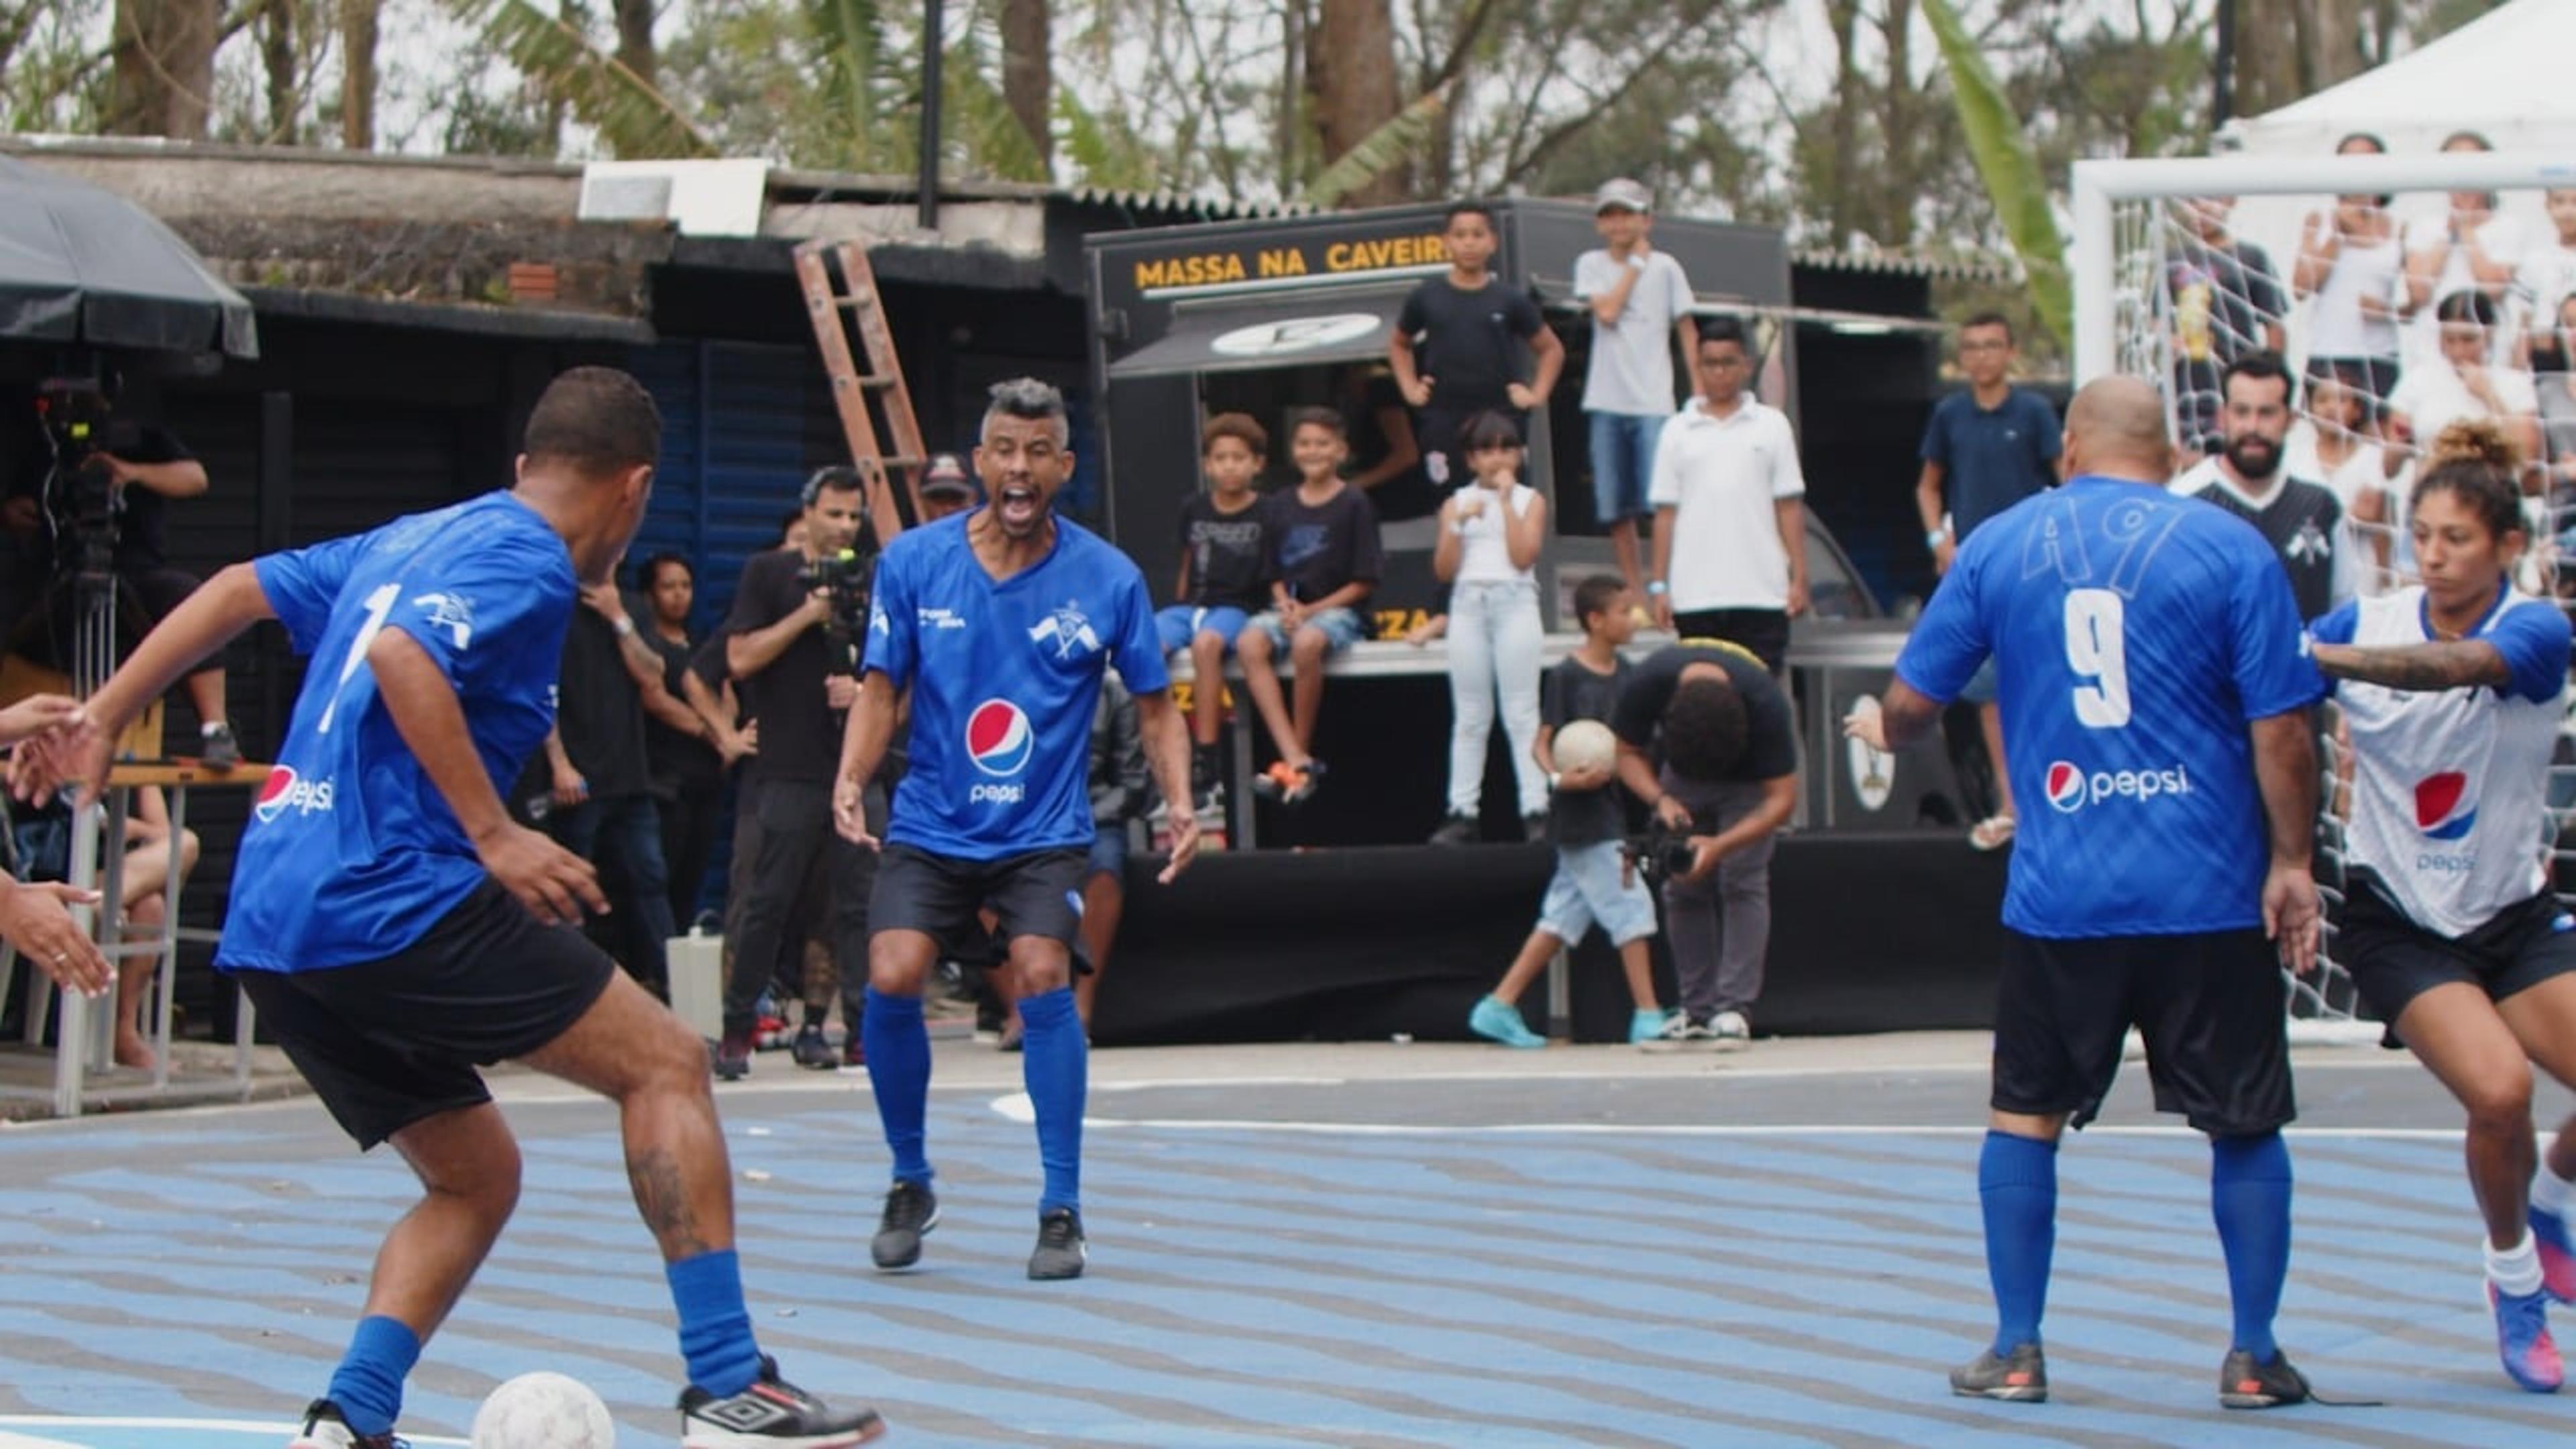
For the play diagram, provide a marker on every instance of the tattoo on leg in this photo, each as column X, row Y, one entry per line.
column 664, row 1200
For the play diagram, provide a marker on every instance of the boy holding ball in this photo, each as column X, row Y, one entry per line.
column 1585, row 822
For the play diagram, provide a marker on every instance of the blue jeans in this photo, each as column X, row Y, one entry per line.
column 622, row 835
column 1175, row 625
column 1623, row 462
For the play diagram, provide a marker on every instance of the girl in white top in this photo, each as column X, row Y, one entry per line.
column 2468, row 247
column 1490, row 532
column 2352, row 262
column 2333, row 443
column 2454, row 692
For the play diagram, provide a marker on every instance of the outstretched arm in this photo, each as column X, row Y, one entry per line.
column 2422, row 668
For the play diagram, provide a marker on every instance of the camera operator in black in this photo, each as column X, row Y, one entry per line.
column 795, row 664
column 145, row 466
column 1706, row 735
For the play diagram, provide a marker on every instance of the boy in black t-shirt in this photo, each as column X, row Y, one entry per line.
column 1454, row 354
column 1586, row 820
column 1226, row 549
column 1326, row 559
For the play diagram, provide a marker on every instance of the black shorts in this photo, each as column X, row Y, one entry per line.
column 2210, row 1006
column 392, row 1042
column 2393, row 960
column 1037, row 894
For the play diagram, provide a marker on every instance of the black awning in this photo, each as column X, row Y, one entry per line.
column 1279, row 329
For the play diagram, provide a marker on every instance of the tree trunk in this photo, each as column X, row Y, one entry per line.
column 277, row 68
column 635, row 37
column 1845, row 164
column 163, row 75
column 1288, row 126
column 2269, row 59
column 358, row 74
column 1350, row 70
column 1028, row 60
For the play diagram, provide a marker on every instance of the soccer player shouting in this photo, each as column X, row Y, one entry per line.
column 2455, row 690
column 396, row 929
column 2155, row 697
column 1000, row 623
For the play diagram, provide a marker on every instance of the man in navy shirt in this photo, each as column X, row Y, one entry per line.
column 2156, row 695
column 1985, row 450
column 395, row 928
column 1000, row 623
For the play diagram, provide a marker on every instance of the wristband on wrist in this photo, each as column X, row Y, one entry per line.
column 1936, row 538
column 1658, row 586
column 623, row 625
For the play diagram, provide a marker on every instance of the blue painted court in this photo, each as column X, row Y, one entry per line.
column 1404, row 1246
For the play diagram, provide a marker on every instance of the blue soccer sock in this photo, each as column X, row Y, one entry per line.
column 2249, row 1197
column 715, row 1327
column 1056, row 1067
column 2017, row 1181
column 368, row 1385
column 898, row 1048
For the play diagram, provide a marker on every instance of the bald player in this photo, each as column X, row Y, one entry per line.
column 2155, row 695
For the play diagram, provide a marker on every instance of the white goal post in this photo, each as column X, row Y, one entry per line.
column 2100, row 185
column 2129, row 230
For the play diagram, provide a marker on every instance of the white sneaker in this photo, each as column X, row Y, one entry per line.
column 1730, row 1032
column 1680, row 1034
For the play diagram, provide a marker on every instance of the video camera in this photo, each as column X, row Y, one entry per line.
column 848, row 578
column 80, row 489
column 1658, row 853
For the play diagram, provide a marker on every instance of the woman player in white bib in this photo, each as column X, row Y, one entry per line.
column 2454, row 691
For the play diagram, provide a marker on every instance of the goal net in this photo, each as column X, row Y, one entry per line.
column 2404, row 293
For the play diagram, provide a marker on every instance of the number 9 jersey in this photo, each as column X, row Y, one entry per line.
column 2134, row 634
column 351, row 853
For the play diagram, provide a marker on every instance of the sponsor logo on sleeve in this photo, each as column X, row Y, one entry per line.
column 450, row 612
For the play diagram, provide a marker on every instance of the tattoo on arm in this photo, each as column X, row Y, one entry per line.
column 663, row 1198
column 2426, row 668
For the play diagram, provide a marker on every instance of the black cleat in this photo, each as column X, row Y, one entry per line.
column 1060, row 1252
column 325, row 1429
column 911, row 1209
column 814, row 1050
column 771, row 1414
column 2020, row 1377
column 2245, row 1384
column 217, row 747
column 732, row 1060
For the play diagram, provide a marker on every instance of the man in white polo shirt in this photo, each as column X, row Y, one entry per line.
column 1730, row 520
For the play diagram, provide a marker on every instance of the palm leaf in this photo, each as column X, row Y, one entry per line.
column 850, row 41
column 1104, row 150
column 2001, row 145
column 990, row 136
column 1381, row 150
column 630, row 115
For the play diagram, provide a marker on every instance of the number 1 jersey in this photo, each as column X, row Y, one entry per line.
column 351, row 853
column 2134, row 635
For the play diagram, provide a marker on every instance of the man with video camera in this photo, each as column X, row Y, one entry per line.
column 792, row 646
column 86, row 487
column 1711, row 714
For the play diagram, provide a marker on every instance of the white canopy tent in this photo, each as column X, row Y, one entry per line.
column 2503, row 75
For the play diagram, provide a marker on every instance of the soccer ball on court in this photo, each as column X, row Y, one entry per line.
column 543, row 1411
column 1585, row 744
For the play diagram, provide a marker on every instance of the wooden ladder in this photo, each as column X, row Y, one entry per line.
column 855, row 293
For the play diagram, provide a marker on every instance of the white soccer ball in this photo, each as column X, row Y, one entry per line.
column 543, row 1411
column 1585, row 744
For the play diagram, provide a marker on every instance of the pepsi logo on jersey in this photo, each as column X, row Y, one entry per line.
column 2070, row 788
column 285, row 790
column 999, row 740
column 2443, row 809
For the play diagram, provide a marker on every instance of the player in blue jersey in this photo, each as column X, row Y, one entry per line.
column 396, row 929
column 2156, row 701
column 999, row 623
column 2455, row 691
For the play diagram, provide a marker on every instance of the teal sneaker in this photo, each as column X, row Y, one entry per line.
column 1493, row 1020
column 1647, row 1024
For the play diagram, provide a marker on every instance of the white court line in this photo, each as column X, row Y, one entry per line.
column 1015, row 1107
column 223, row 1426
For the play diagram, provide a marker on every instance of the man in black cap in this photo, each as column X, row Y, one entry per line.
column 946, row 488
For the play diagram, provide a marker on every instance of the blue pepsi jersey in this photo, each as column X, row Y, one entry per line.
column 1004, row 677
column 2134, row 634
column 351, row 853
